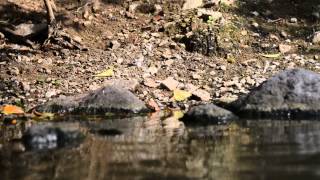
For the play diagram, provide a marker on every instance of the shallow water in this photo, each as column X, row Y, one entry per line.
column 164, row 148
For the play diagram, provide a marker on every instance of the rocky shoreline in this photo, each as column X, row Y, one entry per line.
column 291, row 94
column 145, row 57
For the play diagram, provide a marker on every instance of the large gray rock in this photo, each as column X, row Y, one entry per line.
column 101, row 101
column 291, row 94
column 208, row 114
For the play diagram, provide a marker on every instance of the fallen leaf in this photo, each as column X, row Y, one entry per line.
column 178, row 114
column 11, row 109
column 14, row 121
column 181, row 95
column 106, row 73
column 271, row 55
column 46, row 116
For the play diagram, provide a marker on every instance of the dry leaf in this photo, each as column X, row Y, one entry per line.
column 11, row 109
column 46, row 116
column 106, row 73
column 178, row 114
column 181, row 95
column 271, row 55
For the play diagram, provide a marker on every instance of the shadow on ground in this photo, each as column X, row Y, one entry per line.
column 275, row 16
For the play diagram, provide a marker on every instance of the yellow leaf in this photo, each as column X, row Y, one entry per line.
column 181, row 95
column 11, row 109
column 178, row 114
column 45, row 116
column 106, row 73
column 271, row 55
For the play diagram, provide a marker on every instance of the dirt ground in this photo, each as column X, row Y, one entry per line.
column 215, row 59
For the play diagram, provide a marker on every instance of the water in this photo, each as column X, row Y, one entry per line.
column 164, row 148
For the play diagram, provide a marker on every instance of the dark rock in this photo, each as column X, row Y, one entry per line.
column 208, row 114
column 100, row 101
column 290, row 94
column 52, row 136
column 204, row 42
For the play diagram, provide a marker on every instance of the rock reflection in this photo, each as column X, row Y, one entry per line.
column 158, row 147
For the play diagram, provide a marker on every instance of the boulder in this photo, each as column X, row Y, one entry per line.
column 104, row 100
column 208, row 114
column 292, row 93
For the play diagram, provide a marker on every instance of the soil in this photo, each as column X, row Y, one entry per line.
column 226, row 57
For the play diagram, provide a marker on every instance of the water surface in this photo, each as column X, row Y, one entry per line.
column 164, row 148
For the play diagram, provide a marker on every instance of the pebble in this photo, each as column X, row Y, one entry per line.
column 283, row 34
column 223, row 68
column 202, row 95
column 170, row 83
column 293, row 20
column 50, row 93
column 255, row 24
column 316, row 37
column 150, row 83
column 284, row 48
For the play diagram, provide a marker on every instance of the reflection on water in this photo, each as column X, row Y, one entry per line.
column 163, row 148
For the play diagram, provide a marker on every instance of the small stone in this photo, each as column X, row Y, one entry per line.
column 152, row 104
column 133, row 7
column 202, row 94
column 50, row 93
column 274, row 37
column 119, row 60
column 196, row 76
column 316, row 37
column 170, row 83
column 190, row 87
column 25, row 86
column 14, row 71
column 169, row 62
column 255, row 24
column 208, row 114
column 244, row 32
column 255, row 13
column 77, row 39
column 215, row 15
column 114, row 45
column 130, row 84
column 229, row 83
column 107, row 35
column 152, row 70
column 250, row 81
column 284, row 34
column 293, row 20
column 284, row 48
column 155, row 35
column 150, row 83
column 223, row 68
column 192, row 4
column 86, row 23
column 212, row 73
column 167, row 54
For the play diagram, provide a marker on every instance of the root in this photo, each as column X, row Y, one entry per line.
column 58, row 37
column 56, row 34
